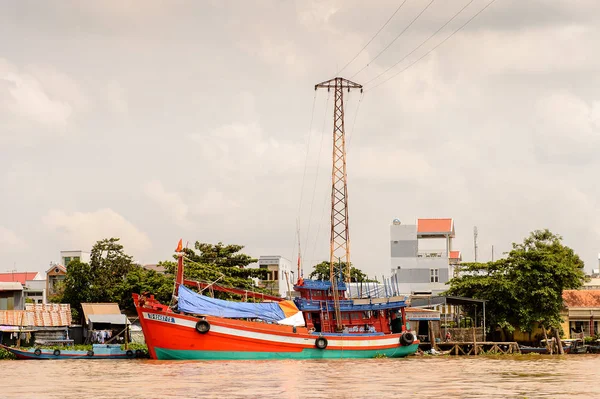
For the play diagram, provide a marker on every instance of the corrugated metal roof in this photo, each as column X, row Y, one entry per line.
column 455, row 255
column 11, row 286
column 38, row 315
column 581, row 299
column 108, row 318
column 99, row 308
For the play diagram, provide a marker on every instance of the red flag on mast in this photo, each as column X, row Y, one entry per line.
column 179, row 246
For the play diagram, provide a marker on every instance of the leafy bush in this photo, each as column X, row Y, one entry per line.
column 6, row 355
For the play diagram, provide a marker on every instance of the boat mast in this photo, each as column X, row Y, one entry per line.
column 179, row 275
column 340, row 237
column 299, row 252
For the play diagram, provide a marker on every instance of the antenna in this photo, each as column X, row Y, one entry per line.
column 475, row 241
column 300, row 270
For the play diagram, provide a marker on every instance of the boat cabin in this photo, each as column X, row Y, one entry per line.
column 359, row 315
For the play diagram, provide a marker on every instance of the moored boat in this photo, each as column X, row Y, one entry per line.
column 200, row 327
column 324, row 322
column 98, row 351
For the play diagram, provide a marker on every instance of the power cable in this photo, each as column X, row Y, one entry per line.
column 422, row 43
column 312, row 117
column 438, row 45
column 373, row 38
column 316, row 176
column 396, row 38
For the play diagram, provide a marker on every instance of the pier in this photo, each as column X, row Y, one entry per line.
column 473, row 348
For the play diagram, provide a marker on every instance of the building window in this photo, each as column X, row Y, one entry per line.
column 275, row 275
column 66, row 259
column 77, row 258
column 434, row 275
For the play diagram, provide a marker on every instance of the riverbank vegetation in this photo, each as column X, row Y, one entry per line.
column 523, row 290
column 112, row 275
column 321, row 271
column 6, row 355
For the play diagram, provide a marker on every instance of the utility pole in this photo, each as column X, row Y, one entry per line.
column 492, row 252
column 475, row 241
column 340, row 235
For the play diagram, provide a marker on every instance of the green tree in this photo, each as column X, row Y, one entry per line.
column 100, row 280
column 77, row 286
column 109, row 264
column 140, row 280
column 221, row 263
column 526, row 287
column 321, row 271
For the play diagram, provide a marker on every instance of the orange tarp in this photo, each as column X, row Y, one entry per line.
column 289, row 308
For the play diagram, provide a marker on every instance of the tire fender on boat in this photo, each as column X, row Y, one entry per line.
column 37, row 351
column 56, row 352
column 139, row 353
column 129, row 353
column 321, row 343
column 407, row 338
column 202, row 326
column 90, row 353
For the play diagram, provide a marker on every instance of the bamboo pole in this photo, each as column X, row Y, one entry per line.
column 558, row 342
column 548, row 346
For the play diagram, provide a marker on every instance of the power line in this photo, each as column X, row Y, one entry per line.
column 396, row 38
column 422, row 43
column 373, row 38
column 312, row 117
column 316, row 175
column 438, row 45
column 351, row 135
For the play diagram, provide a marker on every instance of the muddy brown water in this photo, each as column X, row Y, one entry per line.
column 528, row 376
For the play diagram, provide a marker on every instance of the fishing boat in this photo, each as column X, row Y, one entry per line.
column 98, row 351
column 201, row 327
column 322, row 322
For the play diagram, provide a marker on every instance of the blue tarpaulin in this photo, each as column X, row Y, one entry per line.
column 192, row 302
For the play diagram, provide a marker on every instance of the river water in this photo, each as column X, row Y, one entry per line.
column 527, row 376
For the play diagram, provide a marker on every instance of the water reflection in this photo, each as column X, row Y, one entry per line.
column 428, row 377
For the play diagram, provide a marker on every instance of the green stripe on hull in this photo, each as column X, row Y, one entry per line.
column 177, row 354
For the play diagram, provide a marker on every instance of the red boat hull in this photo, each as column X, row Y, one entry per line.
column 174, row 336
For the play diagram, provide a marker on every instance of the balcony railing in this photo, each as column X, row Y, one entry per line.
column 432, row 253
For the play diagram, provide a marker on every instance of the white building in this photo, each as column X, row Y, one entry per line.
column 422, row 257
column 67, row 256
column 35, row 289
column 280, row 274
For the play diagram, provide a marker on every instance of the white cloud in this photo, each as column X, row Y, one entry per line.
column 10, row 242
column 171, row 202
column 566, row 128
column 36, row 100
column 83, row 229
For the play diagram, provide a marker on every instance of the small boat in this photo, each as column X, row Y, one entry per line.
column 98, row 351
column 568, row 347
column 576, row 345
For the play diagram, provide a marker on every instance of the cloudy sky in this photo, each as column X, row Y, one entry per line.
column 154, row 120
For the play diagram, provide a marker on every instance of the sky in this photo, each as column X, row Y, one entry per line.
column 158, row 120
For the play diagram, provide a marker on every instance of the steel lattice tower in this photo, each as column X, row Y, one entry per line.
column 340, row 233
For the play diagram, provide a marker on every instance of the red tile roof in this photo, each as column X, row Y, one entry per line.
column 581, row 299
column 21, row 277
column 435, row 226
column 455, row 255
